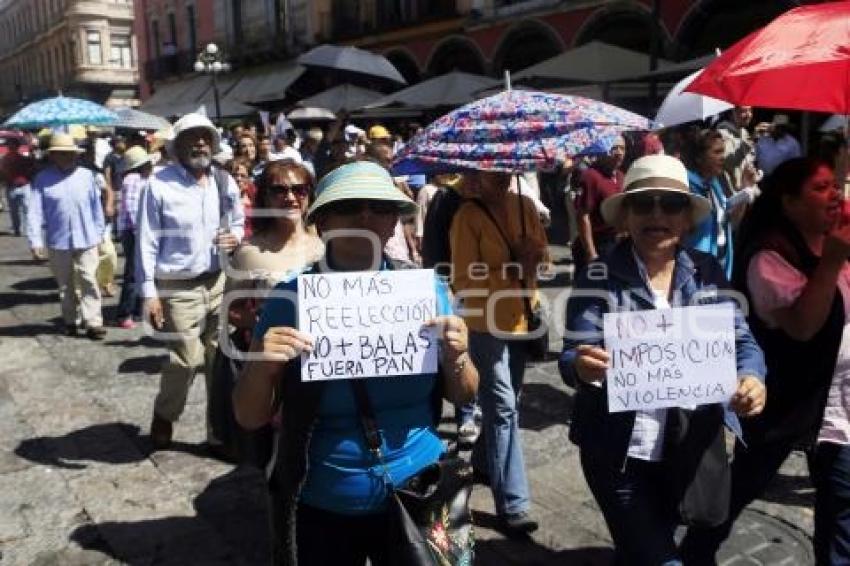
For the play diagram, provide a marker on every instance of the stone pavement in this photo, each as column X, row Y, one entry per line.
column 79, row 485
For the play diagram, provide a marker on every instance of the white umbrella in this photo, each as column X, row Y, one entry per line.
column 353, row 60
column 311, row 113
column 833, row 123
column 681, row 107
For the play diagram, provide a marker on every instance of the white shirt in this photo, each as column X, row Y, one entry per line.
column 177, row 225
column 647, row 441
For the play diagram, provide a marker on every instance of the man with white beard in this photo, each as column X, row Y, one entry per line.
column 190, row 213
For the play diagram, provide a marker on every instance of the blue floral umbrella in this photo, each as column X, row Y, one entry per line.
column 61, row 111
column 516, row 131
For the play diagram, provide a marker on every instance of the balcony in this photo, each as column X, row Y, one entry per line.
column 181, row 63
column 346, row 23
column 98, row 10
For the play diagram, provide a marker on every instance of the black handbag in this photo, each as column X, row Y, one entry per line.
column 537, row 341
column 698, row 469
column 430, row 523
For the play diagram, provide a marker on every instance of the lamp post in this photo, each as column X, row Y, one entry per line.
column 210, row 61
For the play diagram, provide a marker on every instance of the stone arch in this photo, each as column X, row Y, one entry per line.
column 456, row 53
column 710, row 24
column 525, row 44
column 406, row 64
column 624, row 24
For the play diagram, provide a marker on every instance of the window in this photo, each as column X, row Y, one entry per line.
column 119, row 51
column 193, row 37
column 157, row 46
column 172, row 28
column 93, row 48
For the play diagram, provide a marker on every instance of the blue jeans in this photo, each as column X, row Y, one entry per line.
column 637, row 508
column 18, row 208
column 129, row 304
column 501, row 365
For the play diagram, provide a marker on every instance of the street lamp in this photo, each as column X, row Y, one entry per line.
column 210, row 62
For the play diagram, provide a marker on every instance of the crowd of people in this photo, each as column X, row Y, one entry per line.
column 204, row 214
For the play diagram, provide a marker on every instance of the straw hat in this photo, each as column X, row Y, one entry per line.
column 63, row 142
column 379, row 133
column 361, row 180
column 135, row 157
column 655, row 173
column 191, row 122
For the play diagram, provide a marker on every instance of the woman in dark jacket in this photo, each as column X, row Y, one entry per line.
column 793, row 269
column 624, row 455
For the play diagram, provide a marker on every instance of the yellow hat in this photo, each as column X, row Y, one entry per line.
column 379, row 133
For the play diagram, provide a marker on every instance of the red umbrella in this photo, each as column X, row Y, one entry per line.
column 800, row 60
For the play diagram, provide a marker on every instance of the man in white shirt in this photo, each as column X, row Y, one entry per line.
column 189, row 217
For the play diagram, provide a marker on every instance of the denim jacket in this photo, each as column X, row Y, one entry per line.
column 697, row 278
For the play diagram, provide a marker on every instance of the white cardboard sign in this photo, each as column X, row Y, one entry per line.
column 368, row 324
column 679, row 357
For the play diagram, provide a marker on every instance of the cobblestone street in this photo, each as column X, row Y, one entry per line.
column 79, row 485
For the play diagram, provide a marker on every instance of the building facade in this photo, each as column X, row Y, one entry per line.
column 250, row 33
column 84, row 48
column 425, row 38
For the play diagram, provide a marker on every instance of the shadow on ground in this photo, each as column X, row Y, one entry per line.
column 144, row 364
column 231, row 527
column 543, row 405
column 39, row 284
column 105, row 443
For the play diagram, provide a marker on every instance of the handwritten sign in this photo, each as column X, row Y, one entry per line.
column 677, row 357
column 368, row 324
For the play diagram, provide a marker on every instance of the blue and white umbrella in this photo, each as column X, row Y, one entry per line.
column 61, row 111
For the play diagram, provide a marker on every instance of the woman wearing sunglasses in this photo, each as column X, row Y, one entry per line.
column 328, row 492
column 793, row 268
column 623, row 455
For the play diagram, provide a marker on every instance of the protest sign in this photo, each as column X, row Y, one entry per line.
column 679, row 357
column 368, row 324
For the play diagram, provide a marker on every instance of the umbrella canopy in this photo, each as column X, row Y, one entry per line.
column 516, row 131
column 137, row 120
column 344, row 97
column 680, row 107
column 800, row 60
column 311, row 113
column 353, row 60
column 452, row 89
column 61, row 111
column 594, row 62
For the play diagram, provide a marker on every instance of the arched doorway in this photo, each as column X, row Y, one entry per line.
column 526, row 44
column 406, row 65
column 624, row 26
column 720, row 23
column 456, row 54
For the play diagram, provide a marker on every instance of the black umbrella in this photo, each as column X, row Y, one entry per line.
column 351, row 60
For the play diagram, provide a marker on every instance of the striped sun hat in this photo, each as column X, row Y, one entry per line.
column 358, row 181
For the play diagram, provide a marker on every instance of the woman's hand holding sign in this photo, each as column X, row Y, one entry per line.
column 460, row 377
column 749, row 399
column 282, row 344
column 591, row 364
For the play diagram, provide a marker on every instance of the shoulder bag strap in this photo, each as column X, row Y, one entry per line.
column 526, row 300
column 221, row 178
column 366, row 414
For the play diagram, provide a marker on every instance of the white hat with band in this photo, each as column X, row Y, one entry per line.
column 655, row 173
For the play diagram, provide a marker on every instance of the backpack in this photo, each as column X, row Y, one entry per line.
column 436, row 245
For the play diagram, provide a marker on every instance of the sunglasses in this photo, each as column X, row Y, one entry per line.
column 300, row 190
column 355, row 207
column 669, row 203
